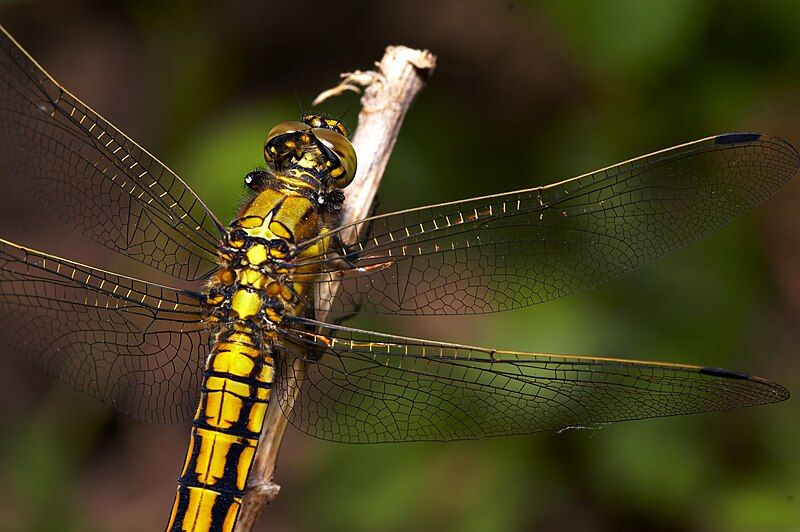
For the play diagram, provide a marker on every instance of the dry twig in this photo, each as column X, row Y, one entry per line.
column 388, row 93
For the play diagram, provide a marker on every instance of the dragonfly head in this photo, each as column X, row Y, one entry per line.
column 316, row 145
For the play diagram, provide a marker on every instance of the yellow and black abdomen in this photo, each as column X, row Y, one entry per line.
column 236, row 389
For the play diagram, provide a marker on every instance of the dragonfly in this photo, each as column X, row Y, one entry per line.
column 235, row 326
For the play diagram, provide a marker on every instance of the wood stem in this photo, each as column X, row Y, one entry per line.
column 388, row 93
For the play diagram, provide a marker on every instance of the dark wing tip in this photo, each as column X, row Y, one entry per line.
column 745, row 137
column 772, row 392
column 736, row 138
column 725, row 373
column 784, row 157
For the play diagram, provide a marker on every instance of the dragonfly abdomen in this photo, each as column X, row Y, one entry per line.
column 236, row 389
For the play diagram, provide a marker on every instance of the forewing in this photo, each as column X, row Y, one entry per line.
column 355, row 386
column 93, row 177
column 135, row 345
column 522, row 248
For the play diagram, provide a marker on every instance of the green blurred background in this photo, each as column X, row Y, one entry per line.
column 565, row 88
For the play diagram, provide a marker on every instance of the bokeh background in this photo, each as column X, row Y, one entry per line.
column 525, row 93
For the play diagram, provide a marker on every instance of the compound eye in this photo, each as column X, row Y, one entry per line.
column 289, row 126
column 342, row 148
column 278, row 142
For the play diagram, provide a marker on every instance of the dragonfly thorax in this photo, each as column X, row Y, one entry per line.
column 252, row 283
column 297, row 199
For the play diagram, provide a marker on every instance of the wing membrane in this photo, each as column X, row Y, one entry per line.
column 359, row 386
column 135, row 345
column 93, row 177
column 525, row 247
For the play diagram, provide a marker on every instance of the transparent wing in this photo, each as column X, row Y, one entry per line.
column 359, row 386
column 135, row 345
column 93, row 177
column 525, row 247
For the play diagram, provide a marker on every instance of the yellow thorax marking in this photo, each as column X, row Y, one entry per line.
column 295, row 182
column 246, row 303
column 257, row 254
column 262, row 229
column 251, row 222
column 280, row 230
column 253, row 278
column 273, row 316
